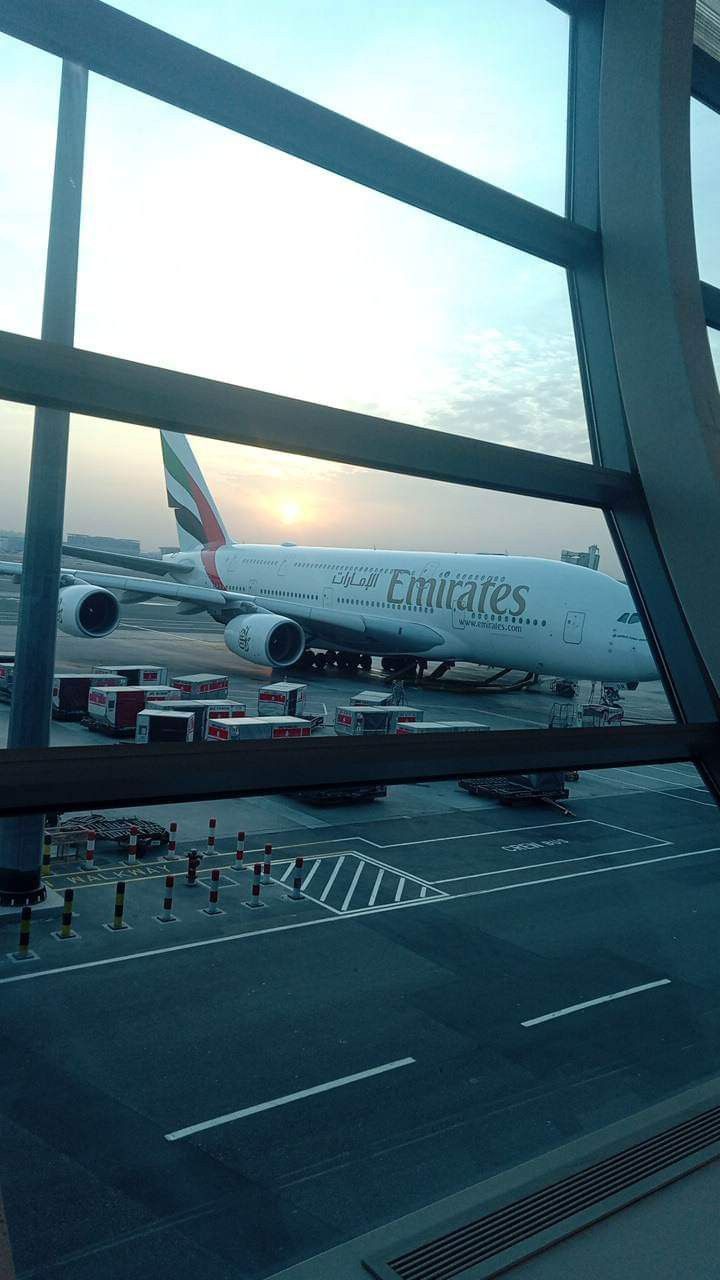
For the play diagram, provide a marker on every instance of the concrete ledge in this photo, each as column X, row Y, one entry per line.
column 47, row 910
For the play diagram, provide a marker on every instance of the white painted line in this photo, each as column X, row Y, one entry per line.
column 311, row 873
column 588, row 1004
column 423, row 891
column 399, row 890
column 288, row 1097
column 333, row 877
column 556, row 862
column 351, row 890
column 335, row 918
column 376, row 887
column 474, row 835
column 286, row 872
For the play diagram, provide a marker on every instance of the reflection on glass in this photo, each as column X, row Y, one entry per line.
column 705, row 150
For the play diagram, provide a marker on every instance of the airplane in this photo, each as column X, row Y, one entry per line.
column 282, row 606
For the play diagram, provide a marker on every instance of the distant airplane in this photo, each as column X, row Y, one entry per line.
column 285, row 605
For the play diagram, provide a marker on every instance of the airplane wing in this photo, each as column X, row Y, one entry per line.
column 140, row 588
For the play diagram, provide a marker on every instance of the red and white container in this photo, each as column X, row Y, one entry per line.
column 135, row 675
column 402, row 715
column 156, row 724
column 281, row 699
column 202, row 685
column 71, row 690
column 205, row 711
column 372, row 698
column 361, row 720
column 254, row 728
column 118, row 708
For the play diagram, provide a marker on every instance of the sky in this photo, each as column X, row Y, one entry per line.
column 206, row 252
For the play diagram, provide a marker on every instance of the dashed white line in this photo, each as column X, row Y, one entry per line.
column 333, row 878
column 348, row 896
column 376, row 887
column 311, row 873
column 288, row 1097
column 399, row 890
column 588, row 1004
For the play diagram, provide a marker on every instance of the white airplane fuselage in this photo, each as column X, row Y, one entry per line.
column 509, row 611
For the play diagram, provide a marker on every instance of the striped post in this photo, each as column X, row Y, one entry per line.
column 66, row 930
column 212, row 825
column 90, row 851
column 118, row 922
column 166, row 915
column 296, row 891
column 47, row 855
column 23, row 952
column 192, row 867
column 240, row 850
column 212, row 908
column 172, row 842
column 132, row 847
column 267, row 864
column 255, row 890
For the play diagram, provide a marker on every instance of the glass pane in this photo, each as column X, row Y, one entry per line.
column 205, row 252
column 705, row 158
column 29, row 89
column 482, row 87
column 714, row 340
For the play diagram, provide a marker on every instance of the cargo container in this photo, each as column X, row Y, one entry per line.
column 7, row 656
column 402, row 715
column 442, row 726
column 281, row 699
column 71, row 690
column 156, row 724
column 359, row 720
column 7, row 671
column 372, row 698
column 252, row 728
column 137, row 675
column 205, row 711
column 116, row 710
column 202, row 685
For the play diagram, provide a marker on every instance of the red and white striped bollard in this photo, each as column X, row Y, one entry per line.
column 212, row 908
column 132, row 847
column 90, row 851
column 166, row 915
column 267, row 864
column 211, row 835
column 172, row 842
column 240, row 851
column 296, row 891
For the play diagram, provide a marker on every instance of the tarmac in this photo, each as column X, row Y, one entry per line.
column 462, row 987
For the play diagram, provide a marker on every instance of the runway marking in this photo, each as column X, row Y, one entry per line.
column 376, row 887
column 310, row 873
column 399, row 890
column 556, row 862
column 588, row 1004
column 333, row 876
column 230, row 1116
column 348, row 896
column 248, row 935
column 472, row 835
column 655, row 791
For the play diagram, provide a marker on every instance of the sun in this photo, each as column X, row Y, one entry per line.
column 289, row 512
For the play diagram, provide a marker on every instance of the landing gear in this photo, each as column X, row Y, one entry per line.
column 393, row 664
column 320, row 661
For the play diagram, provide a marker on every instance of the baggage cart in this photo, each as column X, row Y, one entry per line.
column 597, row 715
column 347, row 793
column 257, row 728
column 74, row 830
column 542, row 787
column 157, row 724
column 203, row 684
column 281, row 699
column 136, row 675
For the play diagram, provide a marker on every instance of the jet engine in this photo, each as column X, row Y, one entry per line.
column 84, row 610
column 265, row 638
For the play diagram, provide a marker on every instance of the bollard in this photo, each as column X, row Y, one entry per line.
column 166, row 915
column 212, row 908
column 296, row 891
column 23, row 952
column 240, row 851
column 192, row 867
column 117, row 921
column 132, row 847
column 267, row 864
column 172, row 842
column 255, row 890
column 66, row 930
column 90, row 851
column 211, row 835
column 47, row 855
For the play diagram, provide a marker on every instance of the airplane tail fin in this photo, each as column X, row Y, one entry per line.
column 199, row 523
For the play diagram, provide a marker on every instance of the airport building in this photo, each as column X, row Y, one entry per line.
column 360, row 909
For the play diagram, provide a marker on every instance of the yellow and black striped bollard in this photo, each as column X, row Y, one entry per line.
column 47, row 856
column 117, row 920
column 23, row 952
column 66, row 930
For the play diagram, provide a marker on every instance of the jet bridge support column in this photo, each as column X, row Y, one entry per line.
column 21, row 837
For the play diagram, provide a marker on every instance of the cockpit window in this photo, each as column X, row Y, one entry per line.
column 634, row 617
column 623, row 617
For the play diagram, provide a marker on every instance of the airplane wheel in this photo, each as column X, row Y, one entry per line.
column 331, row 658
column 320, row 661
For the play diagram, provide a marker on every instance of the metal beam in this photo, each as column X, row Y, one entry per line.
column 36, row 372
column 73, row 778
column 711, row 304
column 138, row 55
column 21, row 838
column 706, row 79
